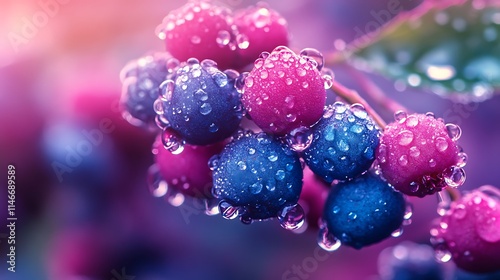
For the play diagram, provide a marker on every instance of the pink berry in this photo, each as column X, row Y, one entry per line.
column 313, row 197
column 469, row 232
column 201, row 30
column 186, row 170
column 260, row 29
column 284, row 91
column 418, row 154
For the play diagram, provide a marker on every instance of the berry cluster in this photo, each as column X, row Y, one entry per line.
column 254, row 145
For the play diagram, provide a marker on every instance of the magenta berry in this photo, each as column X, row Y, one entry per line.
column 199, row 29
column 313, row 197
column 260, row 29
column 284, row 91
column 418, row 154
column 184, row 171
column 469, row 232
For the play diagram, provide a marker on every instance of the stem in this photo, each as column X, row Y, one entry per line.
column 352, row 96
column 375, row 92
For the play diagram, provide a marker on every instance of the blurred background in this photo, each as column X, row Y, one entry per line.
column 100, row 221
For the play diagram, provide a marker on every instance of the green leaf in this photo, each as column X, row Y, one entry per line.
column 454, row 51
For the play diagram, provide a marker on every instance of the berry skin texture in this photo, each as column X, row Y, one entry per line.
column 201, row 103
column 416, row 153
column 141, row 79
column 284, row 91
column 344, row 143
column 199, row 29
column 469, row 232
column 259, row 175
column 187, row 172
column 260, row 29
column 363, row 211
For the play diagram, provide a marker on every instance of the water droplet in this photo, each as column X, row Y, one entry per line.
column 405, row 137
column 432, row 162
column 301, row 72
column 264, row 74
column 454, row 131
column 211, row 207
column 403, row 160
column 255, row 188
column 343, row 145
column 400, row 116
column 328, row 81
column 205, row 109
column 195, row 39
column 228, row 211
column 411, row 121
column 351, row 216
column 462, row 159
column 454, row 176
column 273, row 157
column 291, row 217
column 223, row 38
column 359, row 111
column 220, row 79
column 314, row 56
column 242, row 165
column 459, row 211
column 442, row 254
column 398, row 232
column 300, row 139
column 336, row 209
column 157, row 186
column 176, row 199
column 327, row 241
column 249, row 82
column 280, row 175
column 414, row 152
column 242, row 41
column 213, row 128
column 171, row 142
column 441, row 144
column 382, row 153
column 408, row 211
column 271, row 185
column 167, row 89
column 305, row 84
column 414, row 187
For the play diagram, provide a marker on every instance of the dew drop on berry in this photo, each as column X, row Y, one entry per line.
column 327, row 241
column 213, row 162
column 405, row 137
column 403, row 160
column 251, row 151
column 205, row 109
column 300, row 139
column 414, row 187
column 255, row 188
column 398, row 232
column 359, row 111
column 400, row 116
column 242, row 41
column 462, row 159
column 213, row 128
column 454, row 176
column 459, row 211
column 314, row 55
column 454, row 131
column 223, row 38
column 171, row 142
column 382, row 153
column 328, row 81
column 411, row 121
column 271, row 185
column 176, row 199
column 291, row 217
column 351, row 216
column 441, row 144
column 228, row 211
column 242, row 165
column 442, row 253
column 167, row 89
column 249, row 82
column 414, row 152
column 195, row 39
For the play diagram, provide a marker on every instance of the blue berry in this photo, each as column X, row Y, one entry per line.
column 344, row 143
column 201, row 103
column 141, row 79
column 257, row 177
column 409, row 261
column 363, row 211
